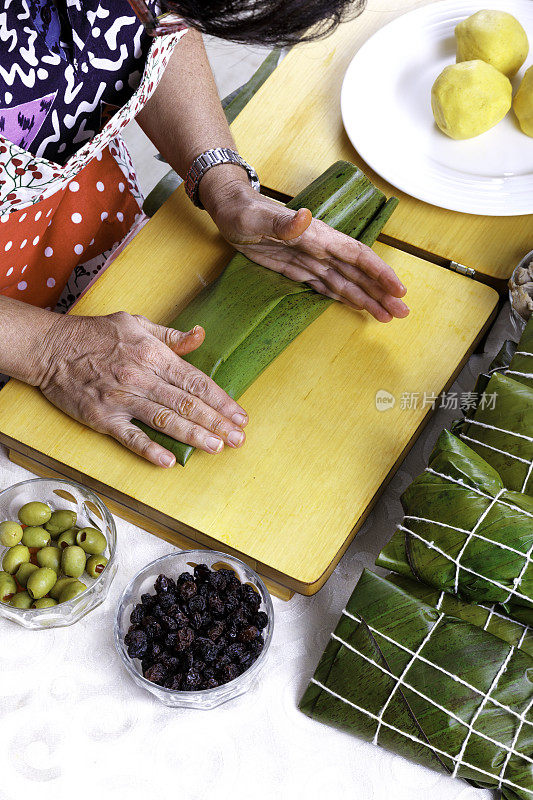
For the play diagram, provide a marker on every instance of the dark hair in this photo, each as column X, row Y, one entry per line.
column 268, row 22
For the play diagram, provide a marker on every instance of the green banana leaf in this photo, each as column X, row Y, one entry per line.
column 491, row 618
column 501, row 430
column 463, row 532
column 251, row 314
column 521, row 366
column 434, row 688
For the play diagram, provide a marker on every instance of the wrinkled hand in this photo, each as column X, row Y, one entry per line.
column 306, row 249
column 103, row 371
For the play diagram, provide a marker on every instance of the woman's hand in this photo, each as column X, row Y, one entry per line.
column 105, row 370
column 302, row 248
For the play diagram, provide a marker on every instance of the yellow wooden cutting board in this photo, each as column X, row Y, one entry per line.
column 292, row 130
column 318, row 450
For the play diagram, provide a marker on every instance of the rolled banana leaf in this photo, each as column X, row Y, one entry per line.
column 491, row 618
column 501, row 430
column 463, row 532
column 251, row 314
column 431, row 687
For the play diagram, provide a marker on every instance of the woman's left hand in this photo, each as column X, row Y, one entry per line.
column 304, row 249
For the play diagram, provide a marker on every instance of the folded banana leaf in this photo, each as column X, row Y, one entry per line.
column 463, row 532
column 521, row 366
column 251, row 314
column 491, row 618
column 431, row 687
column 501, row 430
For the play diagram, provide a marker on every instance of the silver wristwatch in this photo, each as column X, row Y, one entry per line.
column 212, row 158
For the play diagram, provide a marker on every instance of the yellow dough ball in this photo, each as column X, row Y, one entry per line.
column 523, row 103
column 495, row 37
column 469, row 98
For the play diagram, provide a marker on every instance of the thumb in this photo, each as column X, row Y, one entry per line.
column 180, row 342
column 282, row 223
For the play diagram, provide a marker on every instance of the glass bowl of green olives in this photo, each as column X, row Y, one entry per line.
column 57, row 553
column 194, row 628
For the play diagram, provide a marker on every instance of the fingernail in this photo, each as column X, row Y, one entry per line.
column 236, row 438
column 214, row 444
column 239, row 419
column 166, row 460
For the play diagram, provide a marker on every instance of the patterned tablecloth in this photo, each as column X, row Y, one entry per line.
column 72, row 723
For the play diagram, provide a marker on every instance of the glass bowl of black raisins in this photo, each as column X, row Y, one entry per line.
column 194, row 628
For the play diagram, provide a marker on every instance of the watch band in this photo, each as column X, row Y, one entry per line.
column 212, row 158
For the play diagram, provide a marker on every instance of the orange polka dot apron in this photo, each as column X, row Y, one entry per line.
column 55, row 220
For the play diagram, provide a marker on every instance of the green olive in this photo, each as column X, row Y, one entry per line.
column 35, row 537
column 49, row 557
column 71, row 591
column 24, row 572
column 35, row 513
column 10, row 533
column 59, row 585
column 21, row 600
column 40, row 582
column 8, row 587
column 73, row 561
column 67, row 538
column 92, row 541
column 45, row 602
column 14, row 557
column 60, row 521
column 95, row 566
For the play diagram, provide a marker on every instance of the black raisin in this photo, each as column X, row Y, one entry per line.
column 157, row 674
column 248, row 634
column 196, row 604
column 231, row 603
column 164, row 584
column 217, row 581
column 195, row 621
column 186, row 660
column 147, row 599
column 166, row 601
column 168, row 623
column 152, row 627
column 216, row 605
column 184, row 578
column 138, row 644
column 223, row 661
column 210, row 683
column 257, row 645
column 177, row 681
column 137, row 614
column 192, row 679
column 202, row 572
column 155, row 651
column 229, row 673
column 185, row 638
column 187, row 590
column 216, row 631
column 206, row 648
column 260, row 620
column 236, row 651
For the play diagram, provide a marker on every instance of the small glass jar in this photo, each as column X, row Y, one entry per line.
column 90, row 510
column 172, row 566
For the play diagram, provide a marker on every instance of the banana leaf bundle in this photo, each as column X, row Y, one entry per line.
column 491, row 618
column 521, row 366
column 501, row 430
column 251, row 314
column 434, row 688
column 500, row 426
column 463, row 532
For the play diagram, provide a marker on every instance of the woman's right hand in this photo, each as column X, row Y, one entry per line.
column 104, row 371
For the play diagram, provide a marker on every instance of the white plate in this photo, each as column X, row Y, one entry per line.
column 386, row 109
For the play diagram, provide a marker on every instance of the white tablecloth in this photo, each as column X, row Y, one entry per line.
column 73, row 724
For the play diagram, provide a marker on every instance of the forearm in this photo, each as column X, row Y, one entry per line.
column 184, row 117
column 24, row 331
